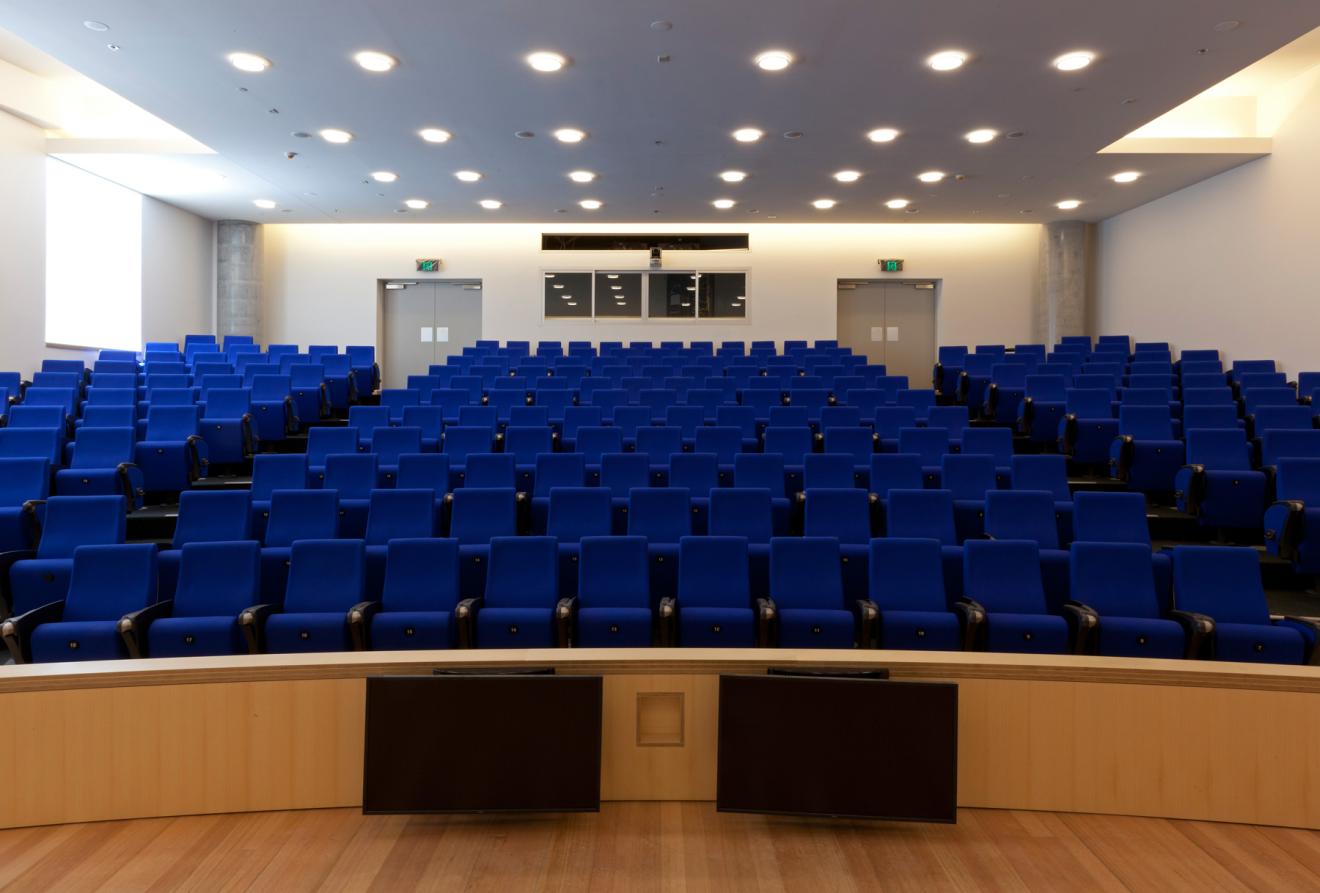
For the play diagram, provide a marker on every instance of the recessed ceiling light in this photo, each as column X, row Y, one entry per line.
column 724, row 204
column 733, row 176
column 491, row 204
column 249, row 62
column 1074, row 61
column 417, row 204
column 374, row 60
column 468, row 176
column 882, row 135
column 848, row 176
column 263, row 203
column 591, row 204
column 823, row 204
column 931, row 176
column 543, row 60
column 435, row 135
column 1126, row 177
column 570, row 135
column 984, row 135
column 1068, row 204
column 384, row 176
column 333, row 135
column 774, row 60
column 897, row 204
column 581, row 176
column 947, row 60
column 747, row 134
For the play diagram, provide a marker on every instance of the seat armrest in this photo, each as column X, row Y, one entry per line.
column 971, row 620
column 1200, row 631
column 1120, row 466
column 465, row 618
column 1068, row 437
column 197, row 457
column 1026, row 415
column 17, row 631
column 7, row 561
column 936, row 377
column 133, row 627
column 668, row 619
column 1290, row 532
column 1194, row 495
column 991, row 404
column 964, row 386
column 130, row 481
column 1312, row 654
column 766, row 617
column 359, row 624
column 324, row 400
column 252, row 623
column 1083, row 624
column 868, row 618
column 291, row 421
column 566, row 622
column 245, row 432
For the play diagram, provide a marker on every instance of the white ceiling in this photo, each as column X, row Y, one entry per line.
column 659, row 133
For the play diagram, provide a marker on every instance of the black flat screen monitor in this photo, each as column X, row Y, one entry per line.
column 849, row 747
column 479, row 743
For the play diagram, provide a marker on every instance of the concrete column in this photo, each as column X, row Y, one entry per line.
column 1063, row 307
column 238, row 278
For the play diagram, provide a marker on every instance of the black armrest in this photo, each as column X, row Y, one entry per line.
column 252, row 623
column 1194, row 495
column 565, row 621
column 1200, row 632
column 766, row 618
column 937, row 377
column 964, row 385
column 196, row 461
column 8, row 560
column 133, row 627
column 1271, row 473
column 1312, row 653
column 323, row 401
column 868, row 618
column 124, row 472
column 1083, row 624
column 971, row 620
column 465, row 620
column 359, row 624
column 1028, row 415
column 17, row 631
column 668, row 621
column 291, row 421
column 245, row 433
column 991, row 403
column 1069, row 438
column 1122, row 466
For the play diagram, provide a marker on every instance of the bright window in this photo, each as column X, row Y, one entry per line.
column 93, row 260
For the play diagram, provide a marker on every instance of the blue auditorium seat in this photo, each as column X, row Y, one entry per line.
column 1042, row 407
column 906, row 586
column 1292, row 523
column 173, row 454
column 714, row 604
column 227, row 425
column 969, row 477
column 1088, row 427
column 274, row 415
column 353, row 477
column 367, row 420
column 271, row 472
column 388, row 445
column 574, row 513
column 490, row 470
column 521, row 607
column 391, row 515
column 806, row 590
column 102, row 465
column 822, row 470
column 204, row 517
column 322, row 442
column 307, row 386
column 1005, row 607
column 21, row 481
column 324, row 596
column 217, row 584
column 39, row 577
column 996, row 443
column 613, row 606
column 663, row 515
column 1146, row 455
column 477, row 515
column 1115, row 610
column 1218, row 484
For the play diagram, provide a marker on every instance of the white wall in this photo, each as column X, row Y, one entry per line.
column 178, row 273
column 1232, row 262
column 320, row 280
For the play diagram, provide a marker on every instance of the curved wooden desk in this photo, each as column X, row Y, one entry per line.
column 130, row 739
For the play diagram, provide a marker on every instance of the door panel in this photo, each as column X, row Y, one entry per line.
column 862, row 309
column 408, row 313
column 910, row 315
column 457, row 318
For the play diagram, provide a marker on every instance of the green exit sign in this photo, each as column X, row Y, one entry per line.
column 891, row 266
column 428, row 265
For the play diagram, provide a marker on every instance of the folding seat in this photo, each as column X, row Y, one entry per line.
column 761, row 398
column 845, row 515
column 392, row 515
column 215, row 607
column 892, row 384
column 974, row 380
column 608, row 400
column 930, row 444
column 32, row 443
column 995, row 442
column 920, row 400
column 325, row 596
column 657, row 400
column 554, row 470
column 1088, row 427
column 726, row 442
column 813, row 398
column 205, row 517
column 21, row 481
column 807, row 597
column 894, row 471
column 99, row 395
column 1003, row 395
column 613, row 603
column 969, row 477
column 707, row 400
column 173, row 455
column 1221, row 396
column 477, row 416
column 477, row 515
column 822, row 470
column 793, row 444
column 522, row 607
column 59, row 381
column 227, row 425
column 1255, row 398
column 1114, row 609
column 889, row 421
column 294, row 515
column 953, row 419
column 1203, row 371
column 524, row 444
column 658, row 444
column 35, row 578
column 207, row 383
column 594, row 442
column 324, row 441
column 948, row 367
column 686, row 418
column 307, row 385
column 1218, row 485
column 459, row 442
column 574, row 513
column 105, row 612
column 1223, row 415
column 1005, row 607
column 65, row 398
column 101, row 464
column 353, row 476
column 663, row 515
column 107, row 417
column 530, row 417
column 427, row 419
column 858, row 444
column 1281, row 443
column 765, row 470
column 271, row 472
column 1307, row 384
column 576, row 418
column 490, row 470
column 1146, row 455
column 726, row 390
column 504, row 401
column 1280, row 418
column 1292, row 523
column 1042, row 407
column 449, row 401
column 396, row 399
column 1049, row 473
column 1221, row 604
column 274, row 414
column 1022, row 515
column 699, row 474
column 788, row 417
column 1246, row 367
column 906, row 588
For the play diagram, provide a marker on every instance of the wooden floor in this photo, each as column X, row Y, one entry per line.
column 649, row 846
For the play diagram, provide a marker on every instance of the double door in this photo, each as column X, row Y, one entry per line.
column 891, row 323
column 425, row 322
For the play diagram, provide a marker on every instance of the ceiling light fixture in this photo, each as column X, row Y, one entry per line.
column 733, row 176
column 947, row 60
column 931, row 176
column 491, row 204
column 581, row 176
column 336, row 136
column 435, row 135
column 374, row 60
column 384, row 176
column 1126, row 177
column 848, row 176
column 984, row 135
column 774, row 60
column 747, row 134
column 468, row 176
column 897, row 204
column 1068, row 204
column 882, row 135
column 1074, row 61
column 263, row 203
column 570, row 135
column 543, row 60
column 417, row 204
column 249, row 62
column 823, row 204
column 724, row 204
column 591, row 204
column 92, row 25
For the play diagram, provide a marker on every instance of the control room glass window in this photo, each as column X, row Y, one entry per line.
column 672, row 296
column 568, row 296
column 618, row 295
column 722, row 295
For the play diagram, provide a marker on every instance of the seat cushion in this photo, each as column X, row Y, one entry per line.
column 307, row 632
column 193, row 636
column 1258, row 643
column 815, row 628
column 1026, row 633
column 716, row 627
column 1140, row 637
column 613, row 628
column 407, row 630
column 82, row 640
column 516, row 628
column 920, row 631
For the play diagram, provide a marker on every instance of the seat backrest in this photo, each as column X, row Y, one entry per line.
column 1257, row 397
column 1049, row 388
column 109, row 581
column 593, row 442
column 421, row 575
column 907, row 575
column 661, row 514
column 760, row 470
column 525, row 444
column 302, row 514
column 366, row 419
column 1207, row 396
column 271, row 387
column 1243, row 367
column 1004, row 576
column 743, row 512
column 227, row 403
column 575, row 512
column 277, row 471
column 1220, row 581
column 1089, row 403
column 559, row 470
column 613, row 572
column 1223, row 415
column 921, row 514
column 855, row 443
column 895, row 471
column 64, row 398
column 805, row 572
column 1299, row 479
column 107, row 396
column 73, row 521
column 1193, row 380
column 213, row 517
column 996, row 442
column 523, row 572
column 480, row 513
column 841, row 513
column 968, row 475
column 423, row 471
column 929, row 443
column 1219, row 449
column 698, row 473
column 659, row 442
column 788, row 417
column 1042, row 472
column 23, row 416
column 103, row 447
column 325, row 576
column 22, row 479
column 490, row 470
column 461, row 441
column 1146, row 422
column 1279, row 418
column 390, row 443
column 1108, row 517
column 791, row 443
column 1022, row 515
column 323, row 441
column 621, row 472
column 217, row 579
column 1278, row 444
column 1116, row 579
column 827, row 470
column 723, row 441
column 400, row 514
column 952, row 418
column 713, row 571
